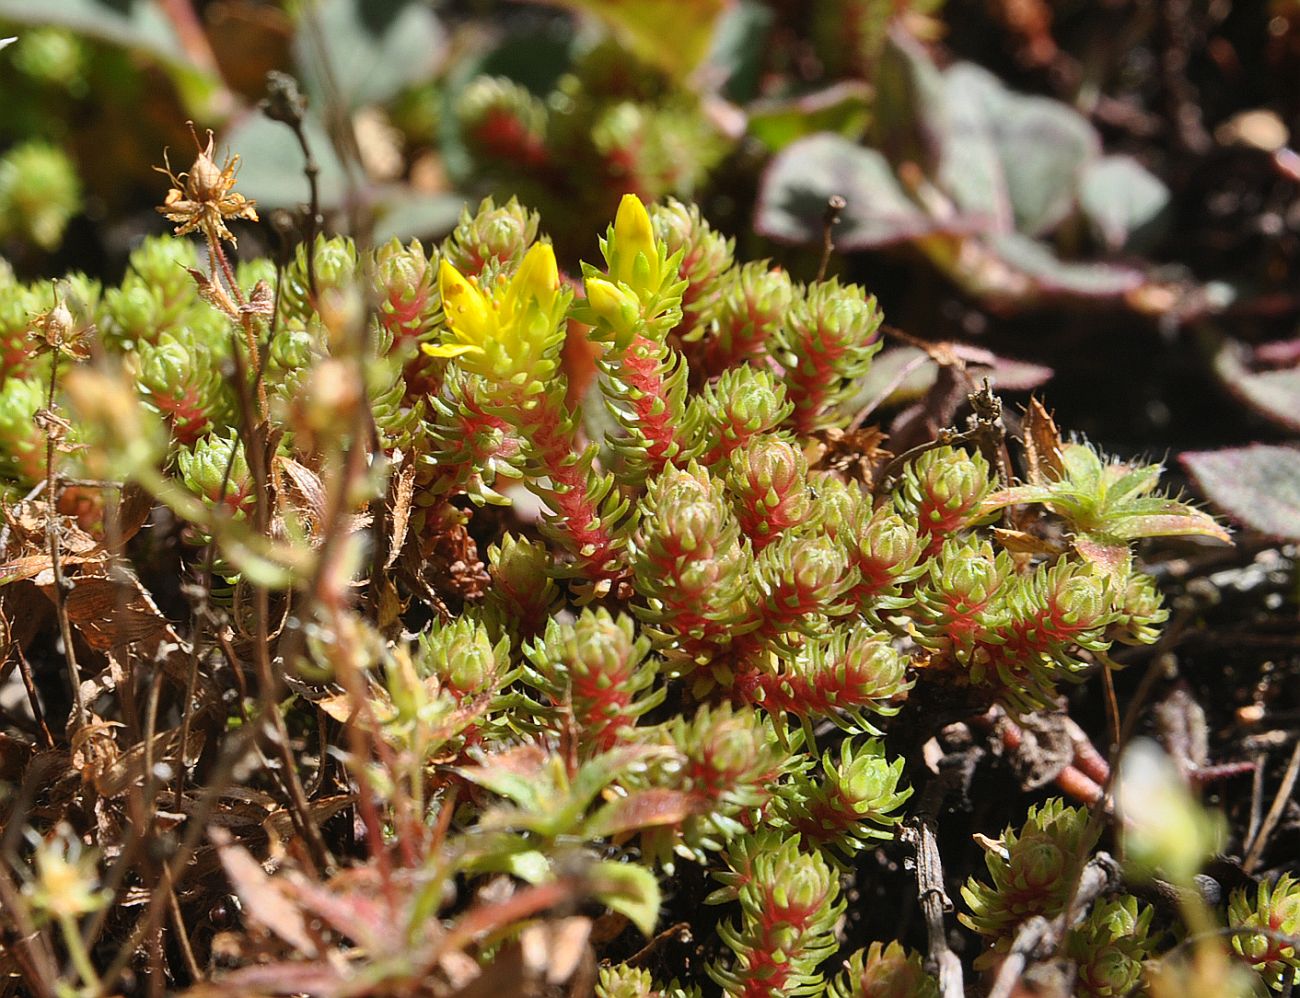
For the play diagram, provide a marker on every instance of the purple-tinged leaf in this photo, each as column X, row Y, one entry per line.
column 1054, row 276
column 1041, row 146
column 1274, row 394
column 803, row 176
column 1259, row 486
column 901, row 374
column 970, row 168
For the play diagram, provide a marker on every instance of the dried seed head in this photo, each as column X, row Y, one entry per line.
column 203, row 198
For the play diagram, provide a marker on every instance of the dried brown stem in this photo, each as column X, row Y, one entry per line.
column 29, row 684
column 1275, row 812
column 831, row 218
column 1038, row 938
column 919, row 831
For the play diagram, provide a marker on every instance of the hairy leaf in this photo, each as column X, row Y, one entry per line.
column 1259, row 485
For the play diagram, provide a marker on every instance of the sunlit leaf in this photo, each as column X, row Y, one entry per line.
column 800, row 180
column 1258, row 486
column 672, row 35
column 1180, row 521
column 629, row 890
column 1121, row 199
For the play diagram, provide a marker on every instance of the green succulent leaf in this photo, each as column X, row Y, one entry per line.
column 629, row 890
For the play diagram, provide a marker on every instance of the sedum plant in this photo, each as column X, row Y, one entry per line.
column 560, row 631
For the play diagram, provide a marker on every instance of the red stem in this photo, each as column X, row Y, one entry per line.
column 555, row 449
column 639, row 370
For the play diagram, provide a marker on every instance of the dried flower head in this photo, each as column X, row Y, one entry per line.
column 203, row 197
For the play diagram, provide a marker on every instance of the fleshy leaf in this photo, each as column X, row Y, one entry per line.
column 1055, row 276
column 1259, row 485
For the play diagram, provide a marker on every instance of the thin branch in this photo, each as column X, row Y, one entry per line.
column 29, row 684
column 831, row 218
column 285, row 103
column 54, row 328
column 919, row 831
column 1038, row 938
column 1275, row 812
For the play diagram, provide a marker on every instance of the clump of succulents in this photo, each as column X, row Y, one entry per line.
column 1274, row 912
column 690, row 647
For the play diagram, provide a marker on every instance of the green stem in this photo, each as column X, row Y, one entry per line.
column 77, row 951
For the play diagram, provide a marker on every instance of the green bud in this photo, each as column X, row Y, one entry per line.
column 462, row 656
column 768, row 482
column 216, row 470
column 523, row 587
column 493, row 238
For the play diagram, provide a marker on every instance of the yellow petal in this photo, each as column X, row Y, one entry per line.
column 634, row 236
column 538, row 278
column 449, row 349
column 468, row 313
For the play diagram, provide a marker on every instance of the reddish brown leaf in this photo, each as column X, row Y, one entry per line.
column 111, row 614
column 644, row 809
column 262, row 896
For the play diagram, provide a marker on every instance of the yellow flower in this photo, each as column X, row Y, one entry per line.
column 468, row 314
column 504, row 333
column 635, row 258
